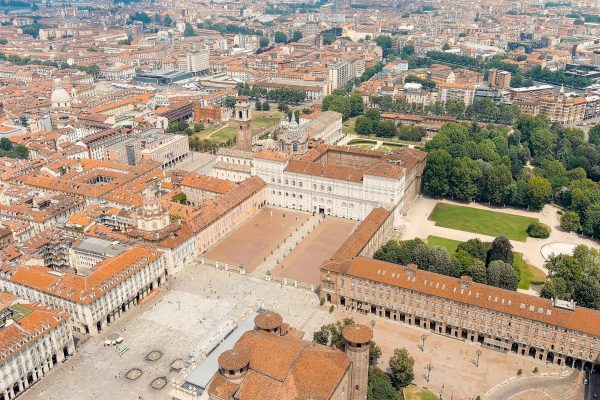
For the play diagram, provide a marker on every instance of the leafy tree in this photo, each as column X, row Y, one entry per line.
column 331, row 334
column 263, row 41
column 476, row 270
column 373, row 114
column 570, row 221
column 502, row 275
column 594, row 135
column 356, row 104
column 501, row 250
column 437, row 173
column 440, row 262
column 499, row 184
column 575, row 277
column 364, row 126
column 3, row 41
column 380, row 386
column 385, row 42
column 385, row 129
column 446, row 47
column 408, row 51
column 296, row 35
column 266, row 106
column 374, row 354
column 167, row 20
column 538, row 230
column 464, row 178
column 401, row 366
column 280, row 37
column 543, row 142
column 587, row 292
column 476, row 248
column 189, row 30
column 339, row 104
column 140, row 16
column 539, row 192
column 229, row 102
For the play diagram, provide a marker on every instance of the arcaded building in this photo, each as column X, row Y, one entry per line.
column 272, row 362
column 549, row 330
column 33, row 339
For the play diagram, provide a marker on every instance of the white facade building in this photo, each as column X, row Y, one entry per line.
column 94, row 300
column 32, row 344
column 345, row 182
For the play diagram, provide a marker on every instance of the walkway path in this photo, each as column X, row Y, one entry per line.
column 287, row 246
column 557, row 387
column 216, row 130
column 417, row 224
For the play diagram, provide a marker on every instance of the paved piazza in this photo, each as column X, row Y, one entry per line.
column 199, row 304
column 302, row 264
column 454, row 372
column 257, row 238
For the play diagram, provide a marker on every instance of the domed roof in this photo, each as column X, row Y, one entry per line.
column 268, row 320
column 357, row 333
column 59, row 94
column 269, row 144
column 234, row 359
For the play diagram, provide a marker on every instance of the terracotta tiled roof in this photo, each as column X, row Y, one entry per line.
column 467, row 292
column 207, row 183
column 357, row 241
column 357, row 333
column 32, row 327
column 285, row 368
column 268, row 320
column 86, row 289
column 234, row 359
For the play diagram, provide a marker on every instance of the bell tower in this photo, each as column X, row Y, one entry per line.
column 242, row 121
column 358, row 340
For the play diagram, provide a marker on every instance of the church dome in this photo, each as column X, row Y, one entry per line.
column 59, row 94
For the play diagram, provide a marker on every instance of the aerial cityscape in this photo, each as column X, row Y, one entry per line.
column 300, row 200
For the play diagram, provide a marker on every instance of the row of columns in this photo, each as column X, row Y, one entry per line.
column 457, row 332
column 24, row 382
column 116, row 314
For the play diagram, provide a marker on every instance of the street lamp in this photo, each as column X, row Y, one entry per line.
column 478, row 352
column 423, row 338
column 428, row 367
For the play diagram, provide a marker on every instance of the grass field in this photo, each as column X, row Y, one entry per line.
column 528, row 273
column 222, row 133
column 413, row 392
column 491, row 223
column 265, row 119
column 348, row 126
column 448, row 244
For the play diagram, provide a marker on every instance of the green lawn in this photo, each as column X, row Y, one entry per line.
column 528, row 273
column 224, row 135
column 348, row 126
column 448, row 244
column 265, row 119
column 491, row 223
column 413, row 392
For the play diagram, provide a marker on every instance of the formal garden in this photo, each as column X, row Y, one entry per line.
column 485, row 222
